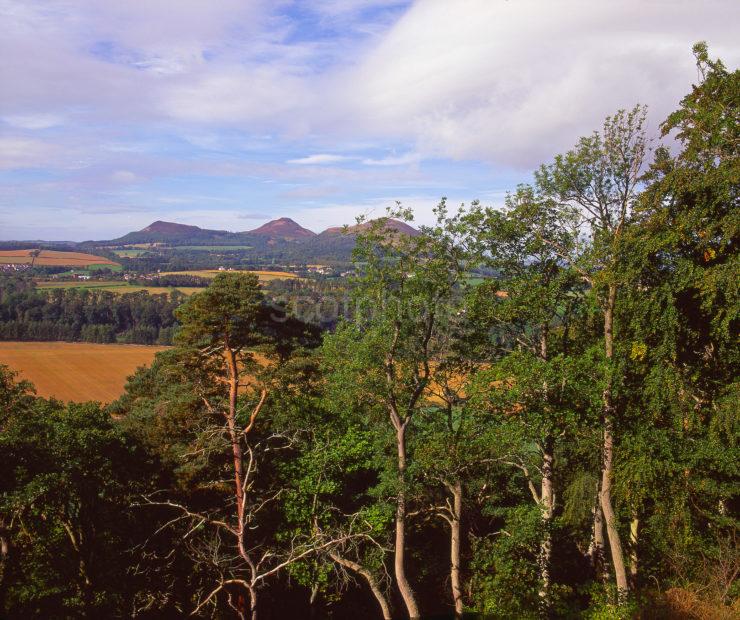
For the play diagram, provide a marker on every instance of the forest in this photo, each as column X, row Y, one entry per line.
column 84, row 315
column 558, row 441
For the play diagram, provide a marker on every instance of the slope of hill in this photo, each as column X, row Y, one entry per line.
column 170, row 232
column 391, row 224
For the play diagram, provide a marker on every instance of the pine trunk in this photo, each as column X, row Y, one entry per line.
column 455, row 543
column 236, row 448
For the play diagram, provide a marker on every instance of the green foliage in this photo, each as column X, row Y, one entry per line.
column 225, row 313
column 67, row 473
column 505, row 569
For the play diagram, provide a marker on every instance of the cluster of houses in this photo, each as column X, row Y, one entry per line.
column 14, row 268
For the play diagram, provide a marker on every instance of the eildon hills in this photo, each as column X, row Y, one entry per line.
column 282, row 229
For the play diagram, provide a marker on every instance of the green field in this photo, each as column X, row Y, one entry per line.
column 129, row 253
column 89, row 268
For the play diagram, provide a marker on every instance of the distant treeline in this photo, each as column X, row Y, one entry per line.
column 84, row 315
column 172, row 280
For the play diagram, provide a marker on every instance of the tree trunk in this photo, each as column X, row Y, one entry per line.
column 233, row 434
column 238, row 456
column 371, row 581
column 312, row 607
column 547, row 493
column 404, row 586
column 455, row 542
column 607, row 472
column 253, row 603
column 596, row 548
column 547, row 501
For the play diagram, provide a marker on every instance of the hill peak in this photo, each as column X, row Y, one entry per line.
column 169, row 227
column 284, row 228
column 390, row 224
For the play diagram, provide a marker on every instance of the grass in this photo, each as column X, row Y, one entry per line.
column 76, row 371
column 264, row 276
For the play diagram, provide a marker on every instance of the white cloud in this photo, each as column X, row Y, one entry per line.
column 393, row 160
column 18, row 152
column 514, row 81
column 320, row 159
column 124, row 176
column 506, row 82
column 33, row 121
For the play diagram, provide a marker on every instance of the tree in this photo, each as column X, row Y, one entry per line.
column 219, row 324
column 531, row 305
column 598, row 182
column 403, row 299
column 682, row 343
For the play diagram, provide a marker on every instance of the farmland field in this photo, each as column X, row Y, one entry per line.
column 264, row 276
column 129, row 253
column 76, row 371
column 54, row 258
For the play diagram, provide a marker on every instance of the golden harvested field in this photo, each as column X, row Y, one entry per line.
column 52, row 257
column 264, row 276
column 76, row 371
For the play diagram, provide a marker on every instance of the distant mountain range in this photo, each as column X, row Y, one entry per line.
column 280, row 241
column 283, row 229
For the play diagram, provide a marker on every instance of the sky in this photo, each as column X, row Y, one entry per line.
column 228, row 113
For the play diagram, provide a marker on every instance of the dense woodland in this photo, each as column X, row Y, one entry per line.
column 84, row 315
column 558, row 441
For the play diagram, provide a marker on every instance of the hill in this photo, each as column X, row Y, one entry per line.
column 391, row 224
column 170, row 232
column 282, row 228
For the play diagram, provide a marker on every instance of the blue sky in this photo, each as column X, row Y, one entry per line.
column 228, row 113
